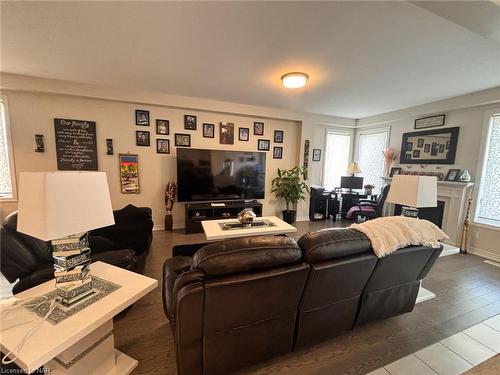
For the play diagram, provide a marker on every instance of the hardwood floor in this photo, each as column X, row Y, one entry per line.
column 467, row 292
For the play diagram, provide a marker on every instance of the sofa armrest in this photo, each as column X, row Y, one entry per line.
column 172, row 268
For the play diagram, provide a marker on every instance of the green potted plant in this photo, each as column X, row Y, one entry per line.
column 290, row 185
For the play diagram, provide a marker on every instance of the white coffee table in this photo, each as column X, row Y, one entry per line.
column 84, row 342
column 213, row 230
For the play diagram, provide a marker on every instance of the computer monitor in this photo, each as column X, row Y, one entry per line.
column 351, row 182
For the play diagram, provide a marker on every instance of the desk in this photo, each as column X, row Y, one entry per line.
column 84, row 342
column 213, row 230
column 345, row 201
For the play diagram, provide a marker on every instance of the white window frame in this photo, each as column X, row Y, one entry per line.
column 383, row 129
column 488, row 115
column 10, row 151
column 352, row 136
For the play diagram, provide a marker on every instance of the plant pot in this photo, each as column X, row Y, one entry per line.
column 169, row 223
column 289, row 216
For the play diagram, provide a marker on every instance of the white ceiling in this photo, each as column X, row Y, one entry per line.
column 364, row 58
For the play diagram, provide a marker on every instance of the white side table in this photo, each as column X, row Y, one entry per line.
column 82, row 343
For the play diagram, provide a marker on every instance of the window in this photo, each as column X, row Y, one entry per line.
column 6, row 169
column 488, row 210
column 371, row 143
column 337, row 155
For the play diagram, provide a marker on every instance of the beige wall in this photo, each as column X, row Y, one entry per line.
column 467, row 112
column 33, row 113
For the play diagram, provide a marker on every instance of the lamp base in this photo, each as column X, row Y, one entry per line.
column 72, row 268
column 409, row 212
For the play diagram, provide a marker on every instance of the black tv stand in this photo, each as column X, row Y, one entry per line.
column 213, row 210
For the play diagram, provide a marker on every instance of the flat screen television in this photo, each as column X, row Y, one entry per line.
column 206, row 175
column 351, row 182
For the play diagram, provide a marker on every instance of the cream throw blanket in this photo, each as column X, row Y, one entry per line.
column 387, row 234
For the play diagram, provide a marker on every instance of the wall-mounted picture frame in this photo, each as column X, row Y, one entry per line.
column 429, row 121
column 142, row 138
column 109, row 146
column 141, row 117
column 395, row 171
column 305, row 165
column 263, row 144
column 452, row 175
column 162, row 127
column 208, row 130
column 278, row 136
column 244, row 134
column 129, row 173
column 190, row 122
column 258, row 128
column 277, row 152
column 39, row 143
column 226, row 133
column 434, row 149
column 162, row 146
column 182, row 140
column 316, row 154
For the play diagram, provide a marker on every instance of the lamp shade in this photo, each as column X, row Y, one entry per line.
column 353, row 169
column 413, row 191
column 57, row 204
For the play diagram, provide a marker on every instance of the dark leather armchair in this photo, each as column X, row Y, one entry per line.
column 234, row 303
column 370, row 209
column 125, row 244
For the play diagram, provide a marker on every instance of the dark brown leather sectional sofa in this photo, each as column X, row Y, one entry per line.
column 239, row 302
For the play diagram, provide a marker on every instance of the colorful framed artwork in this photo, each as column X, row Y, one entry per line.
column 129, row 173
column 263, row 144
column 163, row 146
column 226, row 133
column 208, row 130
column 278, row 136
column 258, row 128
column 182, row 140
column 243, row 134
column 162, row 127
column 142, row 138
column 189, row 122
column 141, row 117
column 277, row 152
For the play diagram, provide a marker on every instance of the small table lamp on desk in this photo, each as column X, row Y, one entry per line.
column 62, row 207
column 413, row 192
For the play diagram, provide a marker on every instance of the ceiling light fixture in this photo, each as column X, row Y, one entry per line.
column 294, row 80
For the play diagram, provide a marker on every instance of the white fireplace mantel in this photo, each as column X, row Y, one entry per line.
column 455, row 196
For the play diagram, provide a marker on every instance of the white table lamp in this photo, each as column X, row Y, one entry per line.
column 413, row 192
column 62, row 207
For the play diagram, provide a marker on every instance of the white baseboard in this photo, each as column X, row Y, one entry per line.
column 484, row 254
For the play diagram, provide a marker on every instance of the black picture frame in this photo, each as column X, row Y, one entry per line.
column 278, row 136
column 40, row 143
column 109, row 146
column 277, row 152
column 190, row 122
column 316, row 154
column 182, row 140
column 160, row 146
column 243, row 134
column 395, row 171
column 162, row 127
column 226, row 133
column 142, row 138
column 407, row 156
column 141, row 117
column 208, row 130
column 258, row 128
column 452, row 175
column 263, row 144
column 429, row 122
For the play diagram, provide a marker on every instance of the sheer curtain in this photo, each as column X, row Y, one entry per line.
column 488, row 211
column 369, row 156
column 5, row 168
column 337, row 151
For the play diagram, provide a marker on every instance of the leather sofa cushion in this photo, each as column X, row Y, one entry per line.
column 333, row 243
column 247, row 254
column 120, row 258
